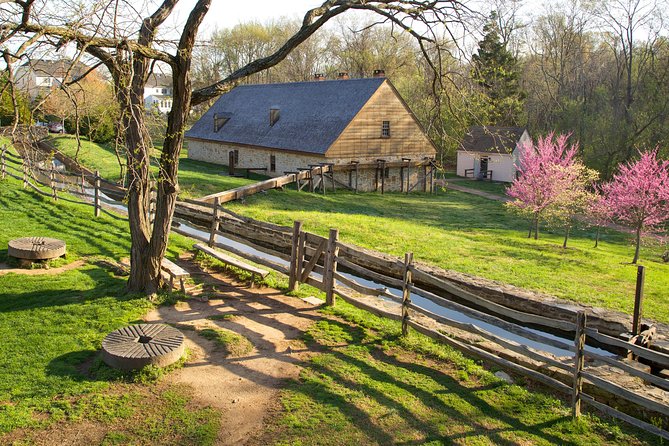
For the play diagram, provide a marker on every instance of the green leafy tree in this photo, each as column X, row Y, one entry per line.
column 497, row 72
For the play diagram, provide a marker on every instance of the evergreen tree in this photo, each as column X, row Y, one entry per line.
column 497, row 72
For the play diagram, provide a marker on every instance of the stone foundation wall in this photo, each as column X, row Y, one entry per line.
column 258, row 157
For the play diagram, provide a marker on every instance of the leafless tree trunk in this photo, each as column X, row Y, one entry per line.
column 129, row 60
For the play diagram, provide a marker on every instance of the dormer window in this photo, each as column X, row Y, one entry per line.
column 385, row 129
column 219, row 121
column 273, row 116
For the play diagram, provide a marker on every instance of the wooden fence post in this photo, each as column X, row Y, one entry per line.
column 25, row 173
column 331, row 266
column 406, row 291
column 579, row 343
column 294, row 255
column 214, row 223
column 52, row 182
column 83, row 183
column 96, row 196
column 4, row 162
column 638, row 300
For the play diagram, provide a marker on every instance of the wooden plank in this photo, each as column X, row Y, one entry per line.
column 294, row 267
column 628, row 395
column 312, row 262
column 610, row 411
column 659, row 358
column 362, row 289
column 372, row 260
column 214, row 222
column 579, row 345
column 424, row 278
column 508, row 344
column 475, row 351
column 252, row 245
column 620, row 364
column 231, row 260
column 367, row 307
column 369, row 274
column 494, row 320
column 330, row 266
column 406, row 292
column 173, row 269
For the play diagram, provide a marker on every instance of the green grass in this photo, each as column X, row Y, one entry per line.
column 464, row 233
column 52, row 326
column 370, row 386
column 196, row 178
column 232, row 343
column 478, row 236
column 485, row 186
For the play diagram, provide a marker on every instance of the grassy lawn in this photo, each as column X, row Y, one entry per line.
column 366, row 385
column 461, row 232
column 196, row 178
column 474, row 235
column 51, row 328
column 485, row 186
column 369, row 386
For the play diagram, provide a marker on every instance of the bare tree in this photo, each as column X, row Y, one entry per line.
column 129, row 50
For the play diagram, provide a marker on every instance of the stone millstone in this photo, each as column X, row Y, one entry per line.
column 36, row 248
column 136, row 346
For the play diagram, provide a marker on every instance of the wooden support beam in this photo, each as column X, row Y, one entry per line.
column 294, row 266
column 314, row 259
column 579, row 344
column 406, row 292
column 214, row 223
column 638, row 299
column 331, row 266
column 96, row 196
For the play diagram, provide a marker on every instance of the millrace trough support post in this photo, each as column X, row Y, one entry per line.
column 579, row 361
column 294, row 257
column 331, row 266
column 406, row 291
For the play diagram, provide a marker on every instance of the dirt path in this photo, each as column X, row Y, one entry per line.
column 246, row 387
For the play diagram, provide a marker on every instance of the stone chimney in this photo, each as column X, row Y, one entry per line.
column 343, row 75
column 319, row 77
column 379, row 73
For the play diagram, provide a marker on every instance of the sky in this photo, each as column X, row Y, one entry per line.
column 228, row 13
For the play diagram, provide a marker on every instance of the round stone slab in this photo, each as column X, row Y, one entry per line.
column 36, row 248
column 136, row 346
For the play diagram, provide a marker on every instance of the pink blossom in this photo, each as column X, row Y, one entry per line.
column 638, row 195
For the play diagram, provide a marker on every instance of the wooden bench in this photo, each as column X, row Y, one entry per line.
column 174, row 271
column 232, row 261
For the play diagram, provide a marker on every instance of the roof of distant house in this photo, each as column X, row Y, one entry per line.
column 492, row 139
column 57, row 68
column 159, row 80
column 312, row 115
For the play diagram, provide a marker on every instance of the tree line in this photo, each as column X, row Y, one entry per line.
column 596, row 70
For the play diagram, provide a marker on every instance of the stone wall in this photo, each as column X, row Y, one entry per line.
column 258, row 157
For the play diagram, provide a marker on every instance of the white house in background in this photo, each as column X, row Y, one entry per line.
column 38, row 77
column 491, row 153
column 158, row 93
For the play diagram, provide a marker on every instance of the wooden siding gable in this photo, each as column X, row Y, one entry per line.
column 362, row 137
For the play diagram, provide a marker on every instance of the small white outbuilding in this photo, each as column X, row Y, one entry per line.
column 491, row 153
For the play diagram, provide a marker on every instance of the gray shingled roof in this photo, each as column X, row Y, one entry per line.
column 491, row 139
column 312, row 114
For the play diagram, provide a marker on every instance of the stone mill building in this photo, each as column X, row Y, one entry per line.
column 362, row 127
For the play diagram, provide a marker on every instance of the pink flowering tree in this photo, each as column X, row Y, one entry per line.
column 575, row 198
column 638, row 195
column 546, row 171
column 598, row 213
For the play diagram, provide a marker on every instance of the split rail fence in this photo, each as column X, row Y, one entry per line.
column 323, row 262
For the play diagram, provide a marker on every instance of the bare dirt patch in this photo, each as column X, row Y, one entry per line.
column 6, row 269
column 243, row 387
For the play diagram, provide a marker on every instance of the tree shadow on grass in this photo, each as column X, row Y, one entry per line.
column 423, row 399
